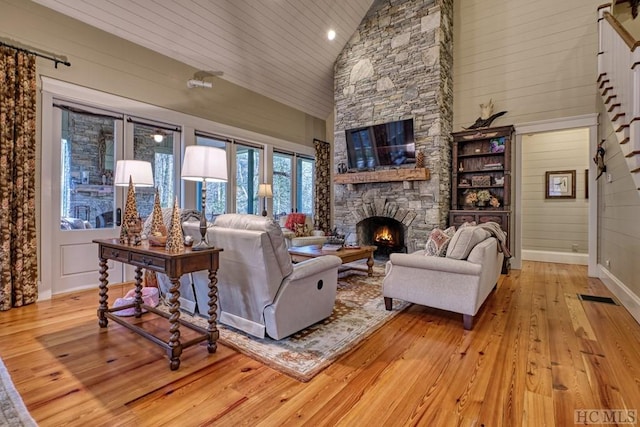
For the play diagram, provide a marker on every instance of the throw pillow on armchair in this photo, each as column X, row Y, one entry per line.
column 293, row 219
column 302, row 230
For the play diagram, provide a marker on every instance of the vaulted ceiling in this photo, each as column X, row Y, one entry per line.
column 277, row 48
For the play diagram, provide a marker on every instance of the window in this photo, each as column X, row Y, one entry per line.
column 305, row 185
column 247, row 179
column 292, row 180
column 282, row 183
column 86, row 169
column 293, row 183
column 216, row 191
column 160, row 155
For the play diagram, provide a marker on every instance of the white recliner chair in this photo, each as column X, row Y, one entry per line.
column 260, row 290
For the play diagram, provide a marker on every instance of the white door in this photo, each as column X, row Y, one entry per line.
column 85, row 203
column 87, row 142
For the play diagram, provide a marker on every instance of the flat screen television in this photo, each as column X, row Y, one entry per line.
column 387, row 144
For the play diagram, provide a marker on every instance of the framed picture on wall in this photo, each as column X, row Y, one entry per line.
column 586, row 183
column 560, row 184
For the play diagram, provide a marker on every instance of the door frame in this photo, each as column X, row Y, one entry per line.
column 56, row 90
column 588, row 121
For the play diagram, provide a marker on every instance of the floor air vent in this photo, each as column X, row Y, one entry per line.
column 593, row 298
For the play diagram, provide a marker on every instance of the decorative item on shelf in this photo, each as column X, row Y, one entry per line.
column 134, row 228
column 470, row 198
column 480, row 180
column 158, row 233
column 204, row 164
column 134, row 173
column 486, row 118
column 460, row 167
column 342, row 168
column 464, row 182
column 420, row 159
column 175, row 239
column 130, row 213
column 494, row 202
column 493, row 166
column 499, row 181
column 483, row 197
column 496, row 145
column 264, row 191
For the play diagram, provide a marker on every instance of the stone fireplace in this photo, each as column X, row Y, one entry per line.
column 397, row 65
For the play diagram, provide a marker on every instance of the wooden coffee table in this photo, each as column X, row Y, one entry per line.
column 347, row 255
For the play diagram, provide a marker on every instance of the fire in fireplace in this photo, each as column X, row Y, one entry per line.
column 383, row 236
column 385, row 233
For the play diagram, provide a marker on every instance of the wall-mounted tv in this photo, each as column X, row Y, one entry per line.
column 387, row 144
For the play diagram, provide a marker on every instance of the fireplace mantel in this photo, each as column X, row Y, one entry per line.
column 387, row 175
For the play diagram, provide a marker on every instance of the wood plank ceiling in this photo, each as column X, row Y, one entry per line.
column 278, row 48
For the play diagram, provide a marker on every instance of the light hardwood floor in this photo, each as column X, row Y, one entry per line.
column 536, row 354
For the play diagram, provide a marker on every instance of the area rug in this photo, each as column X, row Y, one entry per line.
column 13, row 412
column 358, row 312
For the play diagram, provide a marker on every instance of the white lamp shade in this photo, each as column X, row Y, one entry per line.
column 139, row 171
column 203, row 163
column 264, row 190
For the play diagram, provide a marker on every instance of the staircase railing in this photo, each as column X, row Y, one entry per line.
column 619, row 85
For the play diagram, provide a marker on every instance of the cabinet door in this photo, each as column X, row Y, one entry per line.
column 457, row 219
column 499, row 218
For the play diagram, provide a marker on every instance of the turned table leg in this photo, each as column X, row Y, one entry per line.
column 103, row 307
column 174, row 316
column 370, row 264
column 137, row 309
column 212, row 329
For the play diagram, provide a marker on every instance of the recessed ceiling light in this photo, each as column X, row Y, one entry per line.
column 331, row 34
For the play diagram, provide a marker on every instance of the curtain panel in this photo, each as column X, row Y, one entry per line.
column 18, row 241
column 322, row 210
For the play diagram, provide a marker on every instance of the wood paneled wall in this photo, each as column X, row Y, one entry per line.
column 554, row 225
column 618, row 214
column 536, row 60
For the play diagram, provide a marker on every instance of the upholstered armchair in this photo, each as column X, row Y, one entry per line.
column 260, row 291
column 459, row 284
column 300, row 234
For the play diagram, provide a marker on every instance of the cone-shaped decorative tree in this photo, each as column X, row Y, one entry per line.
column 158, row 233
column 130, row 213
column 175, row 239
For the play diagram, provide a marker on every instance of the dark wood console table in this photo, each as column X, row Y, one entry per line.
column 173, row 265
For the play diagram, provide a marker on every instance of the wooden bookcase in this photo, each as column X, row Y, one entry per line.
column 481, row 163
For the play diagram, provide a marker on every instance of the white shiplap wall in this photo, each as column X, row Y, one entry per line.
column 618, row 225
column 535, row 59
column 554, row 225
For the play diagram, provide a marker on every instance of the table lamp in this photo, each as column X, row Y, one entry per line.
column 204, row 164
column 264, row 190
column 134, row 173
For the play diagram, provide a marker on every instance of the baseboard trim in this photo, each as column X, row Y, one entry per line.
column 44, row 295
column 627, row 298
column 557, row 257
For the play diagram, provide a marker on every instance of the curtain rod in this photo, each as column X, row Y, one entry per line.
column 154, row 124
column 57, row 60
